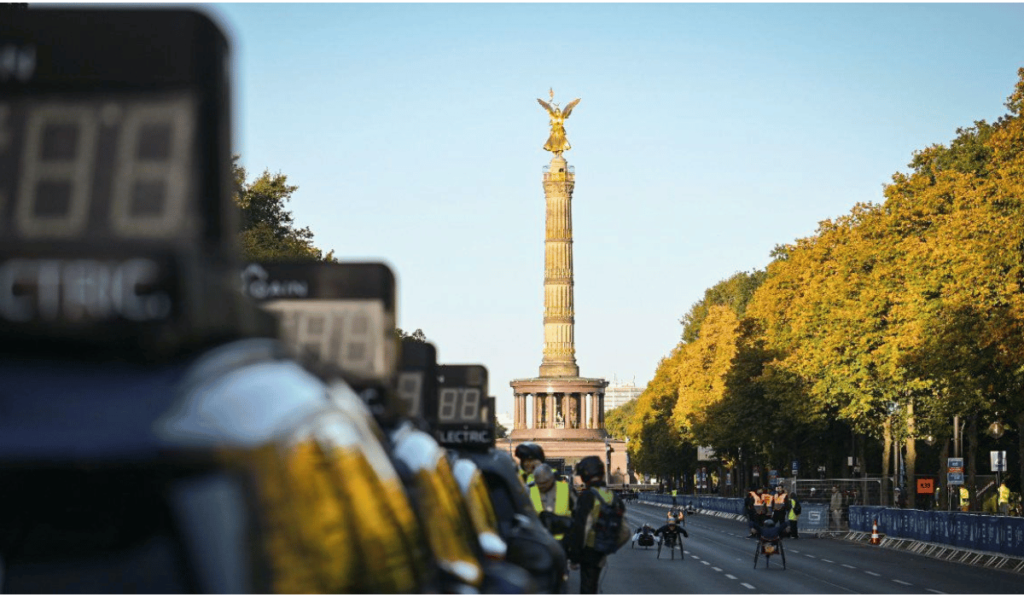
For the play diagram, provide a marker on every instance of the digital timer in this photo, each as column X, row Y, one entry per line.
column 117, row 222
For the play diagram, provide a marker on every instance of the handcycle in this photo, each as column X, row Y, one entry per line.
column 768, row 548
column 672, row 542
column 644, row 538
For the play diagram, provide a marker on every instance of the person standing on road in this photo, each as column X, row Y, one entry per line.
column 550, row 496
column 794, row 517
column 780, row 506
column 750, row 505
column 1004, row 499
column 581, row 555
column 836, row 507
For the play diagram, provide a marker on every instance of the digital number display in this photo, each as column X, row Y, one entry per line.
column 347, row 334
column 464, row 414
column 339, row 314
column 116, row 207
column 410, row 391
column 417, row 378
column 88, row 169
column 461, row 395
column 459, row 405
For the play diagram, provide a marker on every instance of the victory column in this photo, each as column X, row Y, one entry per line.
column 566, row 413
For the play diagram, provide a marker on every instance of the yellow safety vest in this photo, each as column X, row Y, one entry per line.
column 965, row 494
column 793, row 515
column 561, row 500
column 607, row 495
column 1004, row 494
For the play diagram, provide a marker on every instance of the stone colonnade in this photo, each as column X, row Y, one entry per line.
column 559, row 410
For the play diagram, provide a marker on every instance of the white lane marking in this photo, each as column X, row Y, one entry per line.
column 849, row 566
column 705, row 563
column 794, row 551
column 906, row 584
column 829, row 561
column 808, row 555
column 934, row 591
column 716, row 569
column 872, row 573
column 695, row 557
column 749, row 586
column 731, row 577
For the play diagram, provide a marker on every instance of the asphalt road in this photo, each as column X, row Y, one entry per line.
column 719, row 558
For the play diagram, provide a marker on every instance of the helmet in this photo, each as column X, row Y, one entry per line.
column 590, row 467
column 769, row 523
column 529, row 451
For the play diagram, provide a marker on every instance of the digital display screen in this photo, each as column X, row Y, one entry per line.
column 462, row 395
column 459, row 405
column 97, row 168
column 417, row 377
column 346, row 333
column 464, row 414
column 116, row 225
column 338, row 314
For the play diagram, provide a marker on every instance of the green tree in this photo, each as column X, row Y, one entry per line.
column 616, row 420
column 268, row 231
column 417, row 336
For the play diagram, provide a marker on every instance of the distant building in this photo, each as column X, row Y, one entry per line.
column 506, row 420
column 617, row 394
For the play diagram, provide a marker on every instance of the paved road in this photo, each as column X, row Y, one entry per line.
column 719, row 559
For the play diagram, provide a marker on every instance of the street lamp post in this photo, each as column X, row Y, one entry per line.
column 607, row 462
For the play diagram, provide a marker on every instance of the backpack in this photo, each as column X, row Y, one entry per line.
column 796, row 507
column 609, row 528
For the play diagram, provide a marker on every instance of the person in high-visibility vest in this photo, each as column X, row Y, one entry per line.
column 550, row 495
column 965, row 498
column 780, row 505
column 1004, row 499
column 794, row 517
column 529, row 455
column 755, row 510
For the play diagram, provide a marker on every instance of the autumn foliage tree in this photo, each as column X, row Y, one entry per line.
column 888, row 321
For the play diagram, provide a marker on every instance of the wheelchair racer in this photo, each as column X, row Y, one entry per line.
column 670, row 532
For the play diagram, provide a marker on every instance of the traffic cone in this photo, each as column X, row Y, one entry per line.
column 875, row 539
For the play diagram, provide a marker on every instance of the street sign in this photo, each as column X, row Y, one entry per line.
column 926, row 485
column 955, row 479
column 955, row 463
column 998, row 461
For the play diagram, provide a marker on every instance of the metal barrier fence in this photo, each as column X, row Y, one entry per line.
column 1000, row 534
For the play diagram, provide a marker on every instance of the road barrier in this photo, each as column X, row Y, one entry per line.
column 813, row 517
column 999, row 534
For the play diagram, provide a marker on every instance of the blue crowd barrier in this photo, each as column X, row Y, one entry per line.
column 813, row 518
column 998, row 534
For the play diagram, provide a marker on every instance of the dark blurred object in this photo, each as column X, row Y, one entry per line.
column 555, row 524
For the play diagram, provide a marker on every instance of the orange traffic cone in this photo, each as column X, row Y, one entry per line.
column 875, row 539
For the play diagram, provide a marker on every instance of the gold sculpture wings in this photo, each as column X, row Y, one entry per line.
column 557, row 142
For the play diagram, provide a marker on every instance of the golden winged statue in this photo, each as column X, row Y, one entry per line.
column 557, row 143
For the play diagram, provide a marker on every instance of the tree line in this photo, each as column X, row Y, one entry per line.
column 864, row 339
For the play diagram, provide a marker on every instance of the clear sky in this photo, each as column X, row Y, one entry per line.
column 707, row 134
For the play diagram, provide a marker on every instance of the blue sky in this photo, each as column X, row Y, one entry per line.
column 707, row 134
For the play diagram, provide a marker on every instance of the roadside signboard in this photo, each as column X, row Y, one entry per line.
column 955, row 472
column 998, row 461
